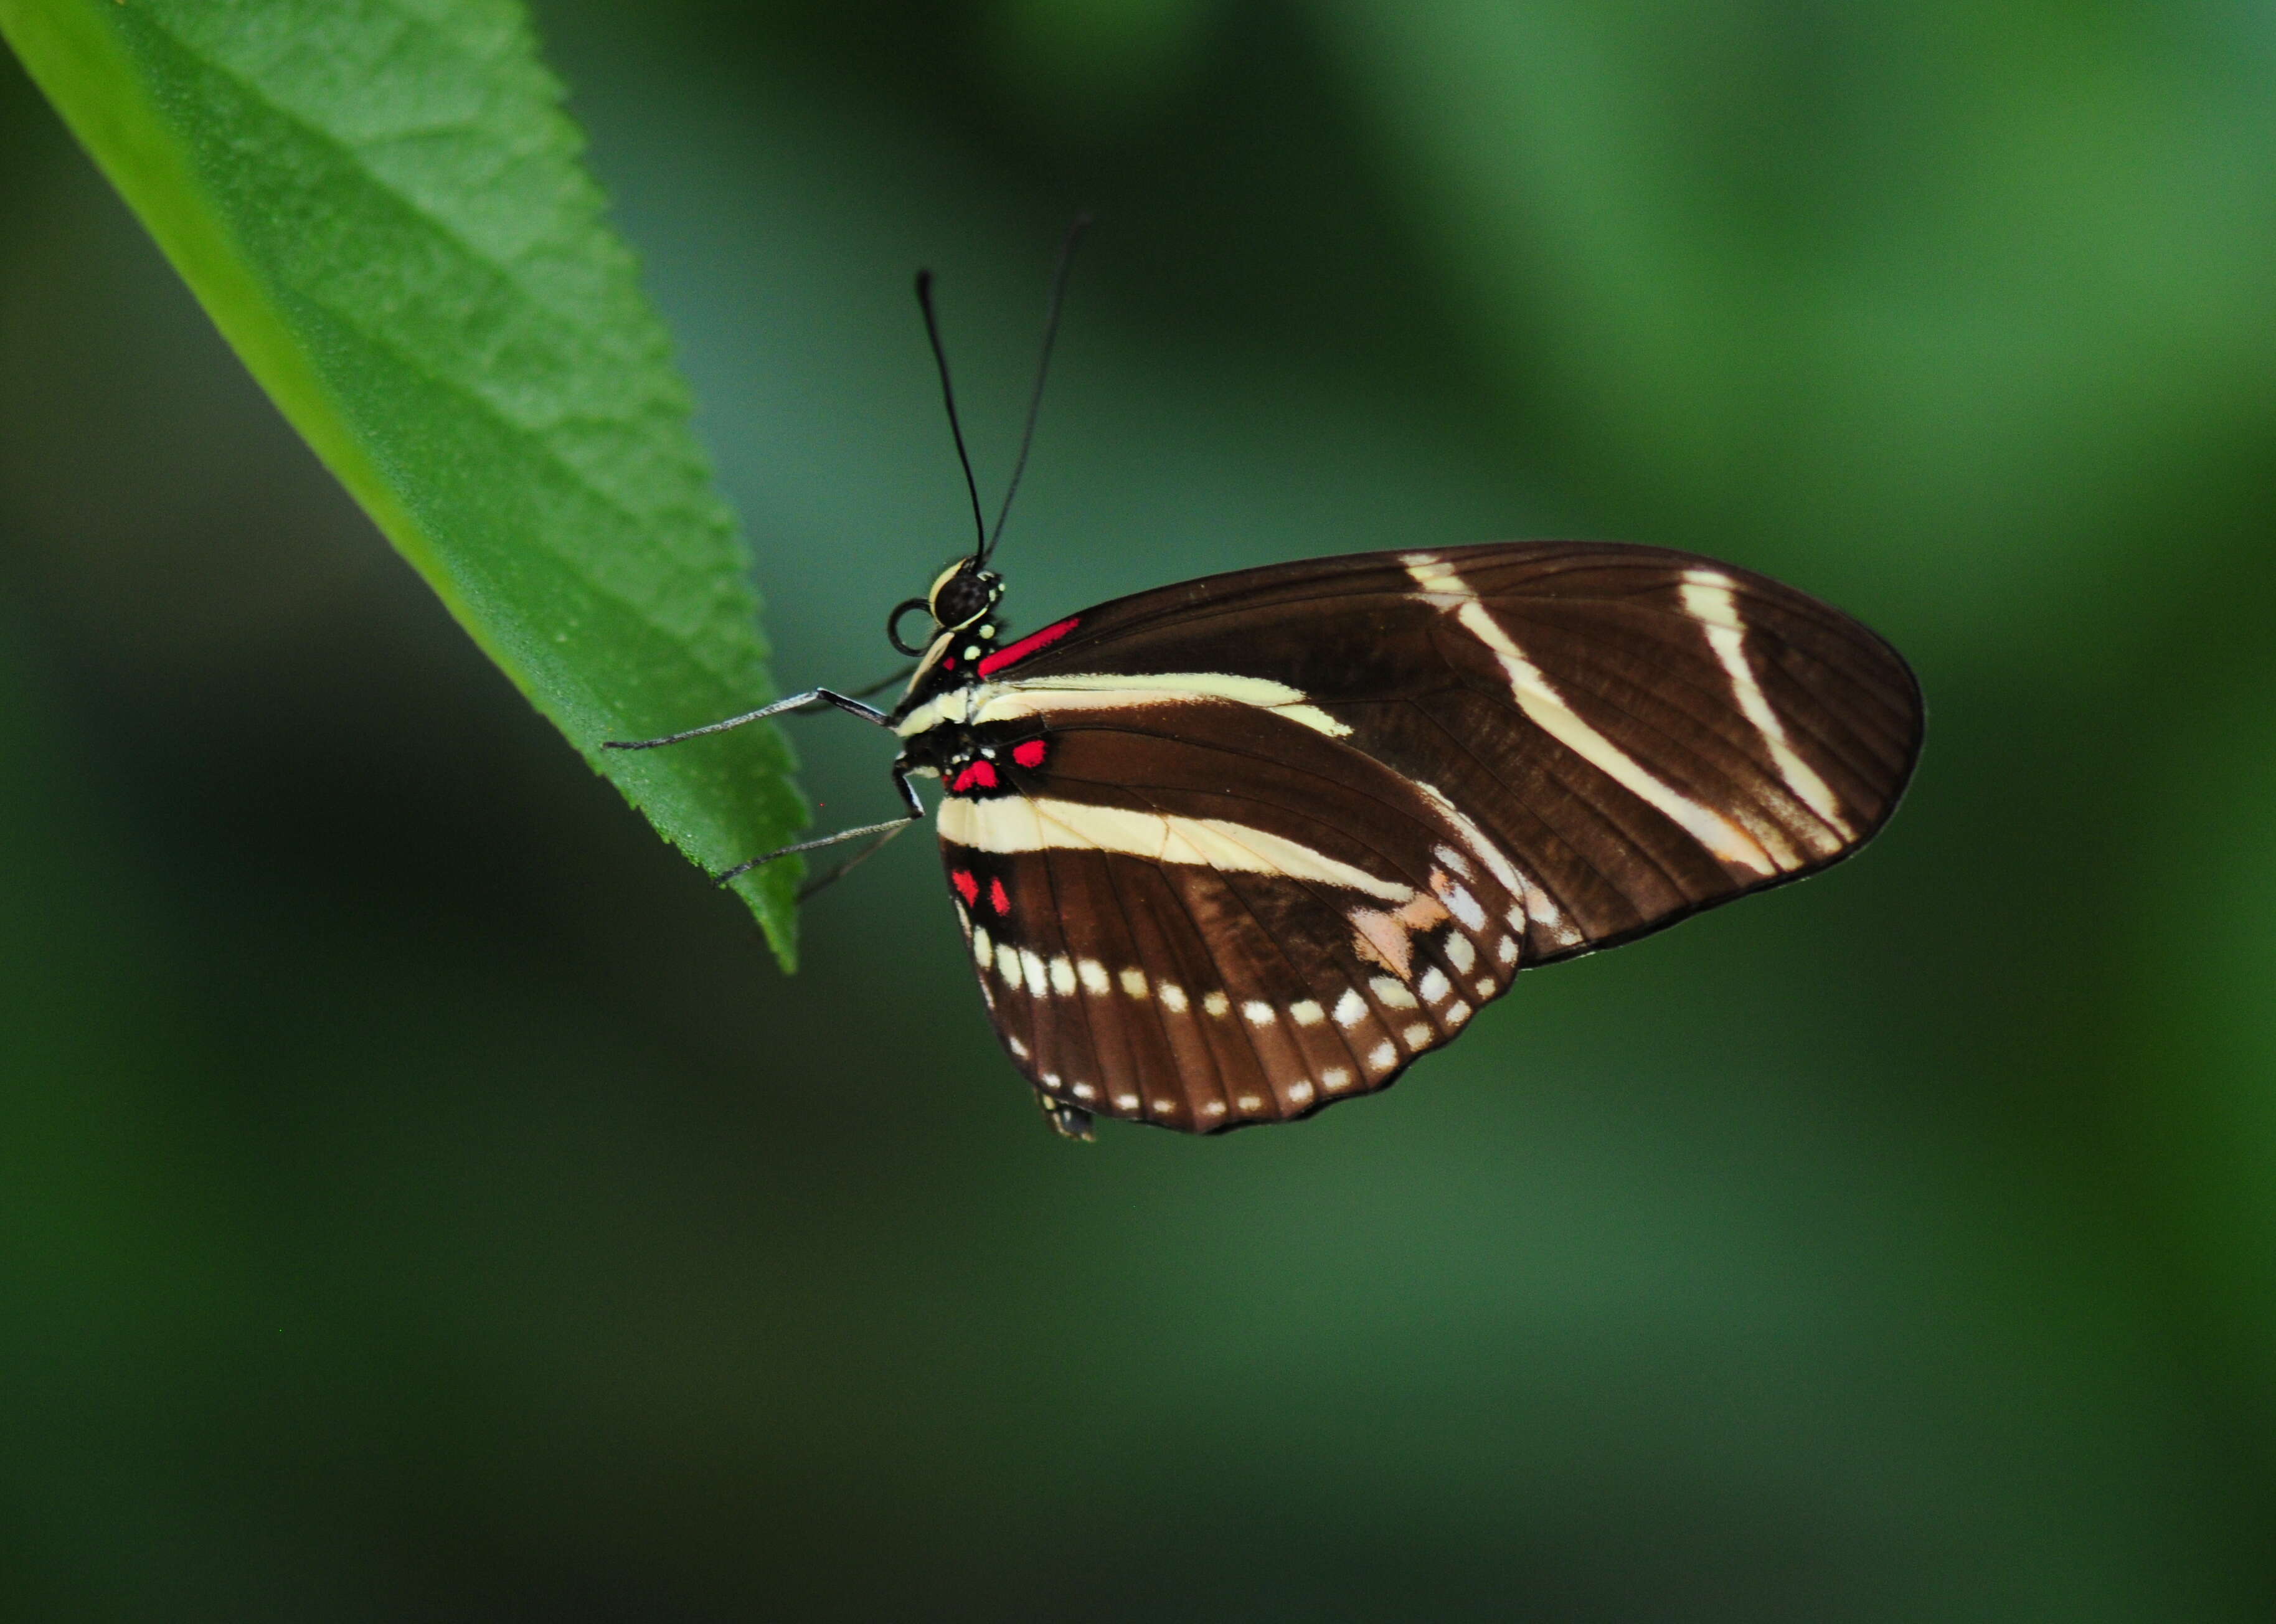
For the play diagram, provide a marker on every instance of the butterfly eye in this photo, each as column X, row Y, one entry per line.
column 965, row 596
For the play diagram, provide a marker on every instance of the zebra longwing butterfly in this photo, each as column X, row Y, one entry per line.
column 1229, row 851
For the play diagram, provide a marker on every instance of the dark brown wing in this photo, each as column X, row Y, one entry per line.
column 1205, row 915
column 1640, row 734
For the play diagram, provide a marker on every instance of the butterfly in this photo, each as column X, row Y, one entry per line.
column 1227, row 852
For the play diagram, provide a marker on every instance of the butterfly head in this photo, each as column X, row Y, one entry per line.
column 963, row 592
column 961, row 597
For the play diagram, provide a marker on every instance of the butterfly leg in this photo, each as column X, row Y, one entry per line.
column 893, row 681
column 796, row 701
column 807, row 891
column 916, row 811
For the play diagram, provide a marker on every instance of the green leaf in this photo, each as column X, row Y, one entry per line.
column 380, row 205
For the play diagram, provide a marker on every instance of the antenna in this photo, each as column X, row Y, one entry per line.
column 948, row 396
column 1042, row 369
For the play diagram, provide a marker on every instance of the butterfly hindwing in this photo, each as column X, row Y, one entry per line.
column 1252, row 923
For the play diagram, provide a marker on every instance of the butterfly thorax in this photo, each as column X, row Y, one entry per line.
column 944, row 715
column 979, row 761
column 951, row 662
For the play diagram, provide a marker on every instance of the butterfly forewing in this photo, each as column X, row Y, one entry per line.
column 1258, row 840
column 1647, row 727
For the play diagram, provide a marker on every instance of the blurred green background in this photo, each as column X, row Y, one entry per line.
column 421, row 1197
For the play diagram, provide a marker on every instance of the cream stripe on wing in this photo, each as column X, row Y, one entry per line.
column 1434, row 575
column 1549, row 712
column 1119, row 690
column 1708, row 599
column 1020, row 823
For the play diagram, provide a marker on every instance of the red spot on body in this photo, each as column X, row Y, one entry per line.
column 1031, row 644
column 967, row 887
column 996, row 897
column 980, row 775
column 1029, row 754
column 948, row 663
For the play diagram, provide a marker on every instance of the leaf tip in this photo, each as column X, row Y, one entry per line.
column 771, row 894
